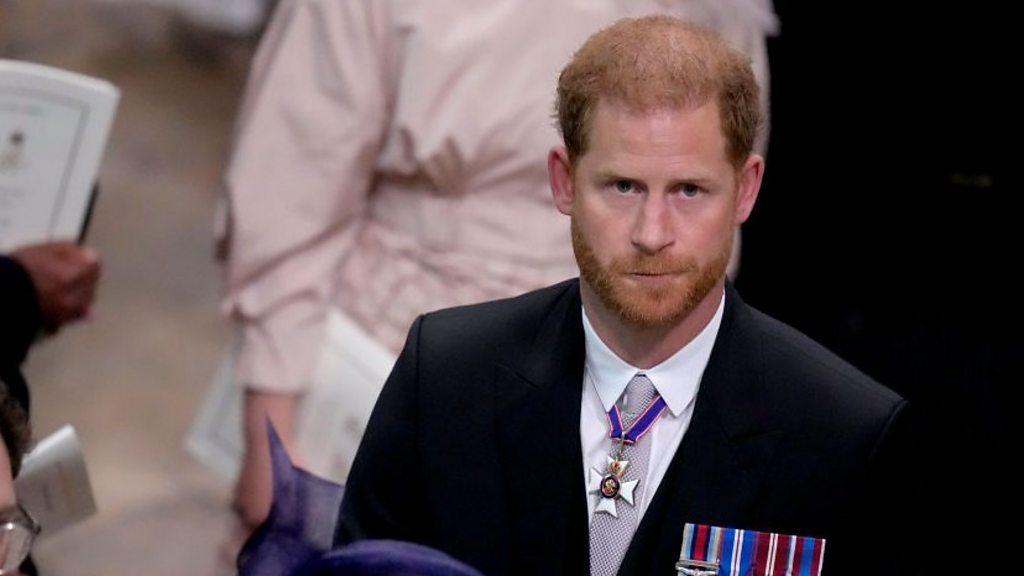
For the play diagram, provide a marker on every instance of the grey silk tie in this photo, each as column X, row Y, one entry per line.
column 610, row 536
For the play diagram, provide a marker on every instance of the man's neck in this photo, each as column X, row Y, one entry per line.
column 646, row 347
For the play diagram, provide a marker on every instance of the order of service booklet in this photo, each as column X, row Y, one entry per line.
column 332, row 413
column 53, row 484
column 54, row 126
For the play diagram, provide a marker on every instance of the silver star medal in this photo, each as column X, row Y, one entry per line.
column 610, row 486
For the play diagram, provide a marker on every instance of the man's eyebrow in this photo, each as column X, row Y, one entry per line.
column 698, row 181
column 610, row 175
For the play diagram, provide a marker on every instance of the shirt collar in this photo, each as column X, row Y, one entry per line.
column 676, row 379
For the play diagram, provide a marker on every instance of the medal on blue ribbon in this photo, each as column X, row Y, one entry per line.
column 610, row 483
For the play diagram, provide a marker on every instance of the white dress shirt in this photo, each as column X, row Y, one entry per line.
column 677, row 379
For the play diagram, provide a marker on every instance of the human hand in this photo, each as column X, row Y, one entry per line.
column 65, row 276
column 254, row 486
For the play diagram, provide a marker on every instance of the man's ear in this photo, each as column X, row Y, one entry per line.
column 748, row 185
column 560, row 177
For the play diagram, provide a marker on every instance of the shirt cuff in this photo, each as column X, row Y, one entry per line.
column 279, row 351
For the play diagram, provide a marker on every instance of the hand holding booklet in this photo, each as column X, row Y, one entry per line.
column 54, row 127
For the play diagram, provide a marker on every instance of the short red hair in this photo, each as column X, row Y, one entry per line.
column 654, row 62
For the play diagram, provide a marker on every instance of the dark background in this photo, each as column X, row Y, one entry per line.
column 888, row 229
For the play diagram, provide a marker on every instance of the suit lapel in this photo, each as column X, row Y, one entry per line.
column 537, row 402
column 717, row 471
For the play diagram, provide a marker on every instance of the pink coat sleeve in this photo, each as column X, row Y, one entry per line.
column 313, row 117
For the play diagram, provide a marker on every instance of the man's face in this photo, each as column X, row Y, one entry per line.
column 654, row 202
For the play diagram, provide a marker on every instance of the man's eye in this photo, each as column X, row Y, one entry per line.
column 690, row 190
column 624, row 186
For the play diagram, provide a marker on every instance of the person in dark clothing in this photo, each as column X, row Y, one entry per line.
column 499, row 437
column 42, row 288
column 17, row 528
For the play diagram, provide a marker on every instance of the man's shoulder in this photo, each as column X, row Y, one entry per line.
column 501, row 317
column 508, row 317
column 811, row 380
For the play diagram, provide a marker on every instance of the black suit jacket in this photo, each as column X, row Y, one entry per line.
column 474, row 445
column 19, row 323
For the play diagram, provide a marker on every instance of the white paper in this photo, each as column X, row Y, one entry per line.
column 53, row 484
column 54, row 127
column 332, row 414
column 335, row 411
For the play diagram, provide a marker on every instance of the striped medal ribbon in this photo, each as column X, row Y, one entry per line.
column 715, row 551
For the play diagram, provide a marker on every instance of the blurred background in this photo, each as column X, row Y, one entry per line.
column 887, row 229
column 130, row 379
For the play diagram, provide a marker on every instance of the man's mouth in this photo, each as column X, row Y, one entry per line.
column 656, row 272
column 648, row 277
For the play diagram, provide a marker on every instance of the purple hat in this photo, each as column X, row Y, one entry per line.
column 298, row 534
column 386, row 557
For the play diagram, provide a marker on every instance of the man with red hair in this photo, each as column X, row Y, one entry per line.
column 578, row 429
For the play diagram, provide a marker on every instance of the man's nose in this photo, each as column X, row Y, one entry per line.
column 652, row 231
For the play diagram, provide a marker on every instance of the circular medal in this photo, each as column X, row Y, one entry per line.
column 610, row 486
